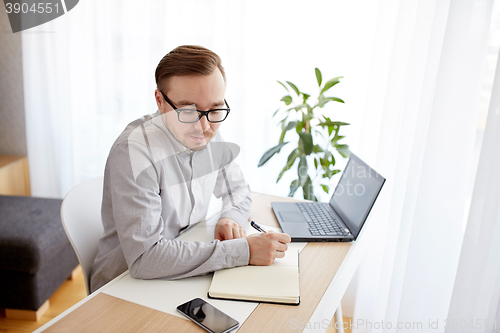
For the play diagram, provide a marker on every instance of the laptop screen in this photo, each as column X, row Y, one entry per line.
column 355, row 193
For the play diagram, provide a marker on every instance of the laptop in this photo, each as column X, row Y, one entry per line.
column 342, row 218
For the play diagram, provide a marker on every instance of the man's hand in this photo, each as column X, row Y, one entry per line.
column 265, row 247
column 226, row 229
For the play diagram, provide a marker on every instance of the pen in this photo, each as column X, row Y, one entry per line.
column 257, row 227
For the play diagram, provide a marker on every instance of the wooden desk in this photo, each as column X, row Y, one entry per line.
column 325, row 272
column 14, row 175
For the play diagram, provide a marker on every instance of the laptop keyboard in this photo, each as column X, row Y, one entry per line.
column 320, row 221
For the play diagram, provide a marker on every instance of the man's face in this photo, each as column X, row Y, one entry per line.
column 206, row 92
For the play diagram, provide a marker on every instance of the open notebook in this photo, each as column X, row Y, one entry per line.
column 277, row 283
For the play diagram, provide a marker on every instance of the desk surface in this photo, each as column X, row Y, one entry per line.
column 319, row 265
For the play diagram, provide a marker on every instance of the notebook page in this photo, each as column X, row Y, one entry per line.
column 278, row 282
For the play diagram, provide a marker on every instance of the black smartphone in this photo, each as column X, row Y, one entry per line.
column 207, row 316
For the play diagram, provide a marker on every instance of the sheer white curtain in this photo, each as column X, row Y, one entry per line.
column 476, row 292
column 419, row 129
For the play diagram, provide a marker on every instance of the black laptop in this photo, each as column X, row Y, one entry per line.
column 342, row 218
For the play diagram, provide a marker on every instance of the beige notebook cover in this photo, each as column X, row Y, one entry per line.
column 277, row 283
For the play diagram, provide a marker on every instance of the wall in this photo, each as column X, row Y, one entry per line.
column 12, row 121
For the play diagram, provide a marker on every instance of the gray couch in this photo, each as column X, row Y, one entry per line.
column 36, row 257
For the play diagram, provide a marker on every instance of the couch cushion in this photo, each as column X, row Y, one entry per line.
column 25, row 291
column 31, row 232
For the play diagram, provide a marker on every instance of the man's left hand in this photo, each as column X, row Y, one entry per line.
column 226, row 229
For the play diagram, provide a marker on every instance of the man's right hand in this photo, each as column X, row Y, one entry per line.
column 265, row 247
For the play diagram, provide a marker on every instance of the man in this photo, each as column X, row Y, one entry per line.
column 161, row 173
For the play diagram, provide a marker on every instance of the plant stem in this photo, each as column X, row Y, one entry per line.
column 307, row 127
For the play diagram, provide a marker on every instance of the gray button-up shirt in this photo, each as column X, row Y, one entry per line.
column 154, row 187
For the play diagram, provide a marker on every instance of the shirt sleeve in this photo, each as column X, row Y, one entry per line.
column 235, row 193
column 137, row 208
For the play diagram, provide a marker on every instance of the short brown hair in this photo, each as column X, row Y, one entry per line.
column 186, row 60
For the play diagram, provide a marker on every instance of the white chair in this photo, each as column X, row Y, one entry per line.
column 81, row 219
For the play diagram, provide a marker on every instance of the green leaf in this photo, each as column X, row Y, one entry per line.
column 330, row 173
column 330, row 84
column 300, row 126
column 285, row 169
column 318, row 76
column 325, row 100
column 276, row 112
column 282, row 123
column 333, row 123
column 287, row 99
column 283, row 85
column 336, row 138
column 317, row 149
column 305, row 97
column 307, row 142
column 331, row 129
column 268, row 154
column 326, row 188
column 292, row 156
column 294, row 87
column 302, row 170
column 300, row 106
column 293, row 187
column 343, row 150
column 321, row 102
column 286, row 128
column 289, row 163
column 307, row 189
column 332, row 160
column 336, row 99
column 316, row 163
column 283, row 132
column 290, row 125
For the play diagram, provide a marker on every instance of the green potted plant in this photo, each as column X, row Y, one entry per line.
column 316, row 137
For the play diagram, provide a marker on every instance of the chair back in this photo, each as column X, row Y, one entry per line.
column 81, row 219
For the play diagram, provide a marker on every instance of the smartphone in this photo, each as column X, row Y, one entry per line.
column 207, row 316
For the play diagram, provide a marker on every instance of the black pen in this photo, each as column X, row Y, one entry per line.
column 257, row 227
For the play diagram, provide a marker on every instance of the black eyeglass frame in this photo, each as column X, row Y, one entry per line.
column 200, row 113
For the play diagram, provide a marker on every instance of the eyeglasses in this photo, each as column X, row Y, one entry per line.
column 190, row 115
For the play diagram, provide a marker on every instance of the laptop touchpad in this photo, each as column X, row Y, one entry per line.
column 292, row 217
